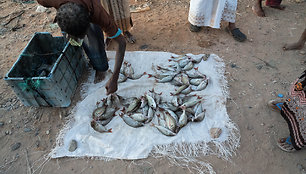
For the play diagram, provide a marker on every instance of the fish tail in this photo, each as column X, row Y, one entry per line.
column 150, row 75
column 109, row 130
column 197, row 68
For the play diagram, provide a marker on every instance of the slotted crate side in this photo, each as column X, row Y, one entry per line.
column 58, row 88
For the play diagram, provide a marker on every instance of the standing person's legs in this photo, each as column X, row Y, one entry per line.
column 298, row 45
column 95, row 49
column 257, row 8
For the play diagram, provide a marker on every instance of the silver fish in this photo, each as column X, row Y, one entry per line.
column 165, row 79
column 151, row 101
column 196, row 82
column 137, row 76
column 122, row 69
column 98, row 112
column 105, row 122
column 172, row 114
column 205, row 57
column 122, row 78
column 129, row 71
column 134, row 105
column 177, row 81
column 196, row 59
column 183, row 63
column 187, row 90
column 199, row 117
column 191, row 102
column 168, row 106
column 201, row 86
column 170, row 122
column 195, row 74
column 183, row 119
column 131, row 122
column 185, row 79
column 160, row 67
column 150, row 115
column 188, row 67
column 97, row 126
column 175, row 101
column 110, row 112
column 179, row 90
column 138, row 117
column 164, row 130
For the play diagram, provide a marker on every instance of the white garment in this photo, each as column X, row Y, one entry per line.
column 211, row 12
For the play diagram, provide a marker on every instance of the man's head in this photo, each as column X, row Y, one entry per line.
column 73, row 19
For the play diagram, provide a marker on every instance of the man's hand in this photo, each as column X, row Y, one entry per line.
column 111, row 86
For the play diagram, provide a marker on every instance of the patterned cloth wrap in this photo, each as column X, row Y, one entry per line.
column 294, row 112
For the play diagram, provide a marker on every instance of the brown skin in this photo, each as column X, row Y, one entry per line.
column 257, row 8
column 112, row 84
column 298, row 45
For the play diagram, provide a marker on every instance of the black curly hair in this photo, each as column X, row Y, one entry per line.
column 73, row 19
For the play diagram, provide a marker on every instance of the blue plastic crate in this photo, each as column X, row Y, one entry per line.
column 47, row 71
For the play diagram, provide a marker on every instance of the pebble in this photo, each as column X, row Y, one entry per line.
column 15, row 146
column 233, row 65
column 302, row 52
column 142, row 47
column 73, row 146
column 47, row 132
column 215, row 132
column 1, row 124
column 26, row 129
column 259, row 67
column 8, row 132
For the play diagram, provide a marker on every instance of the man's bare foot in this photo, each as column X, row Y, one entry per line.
column 279, row 7
column 294, row 46
column 100, row 75
column 258, row 10
column 129, row 37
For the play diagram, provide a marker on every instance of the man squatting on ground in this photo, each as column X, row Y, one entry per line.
column 87, row 19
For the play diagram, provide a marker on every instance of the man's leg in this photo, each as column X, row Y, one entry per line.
column 257, row 8
column 236, row 33
column 95, row 49
column 298, row 45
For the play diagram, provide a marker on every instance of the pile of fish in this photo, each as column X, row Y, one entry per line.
column 182, row 73
column 167, row 116
column 104, row 113
column 170, row 117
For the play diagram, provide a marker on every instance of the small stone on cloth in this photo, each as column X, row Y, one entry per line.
column 73, row 146
column 215, row 132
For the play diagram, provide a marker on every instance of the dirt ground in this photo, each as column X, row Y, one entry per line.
column 257, row 71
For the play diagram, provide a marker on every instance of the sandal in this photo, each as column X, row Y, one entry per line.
column 194, row 28
column 285, row 144
column 237, row 34
column 276, row 105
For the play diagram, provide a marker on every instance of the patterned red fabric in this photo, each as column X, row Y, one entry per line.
column 273, row 2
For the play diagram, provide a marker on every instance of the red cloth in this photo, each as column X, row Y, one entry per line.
column 273, row 2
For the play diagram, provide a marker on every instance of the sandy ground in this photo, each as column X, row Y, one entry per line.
column 257, row 71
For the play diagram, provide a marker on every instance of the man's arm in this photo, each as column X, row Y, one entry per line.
column 112, row 84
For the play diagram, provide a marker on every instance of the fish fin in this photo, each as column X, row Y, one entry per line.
column 158, row 67
column 123, row 109
column 110, row 130
column 169, row 60
column 160, row 93
column 197, row 68
column 172, row 94
column 97, row 103
column 199, row 97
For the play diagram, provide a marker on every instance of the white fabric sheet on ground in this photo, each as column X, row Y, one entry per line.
column 126, row 142
column 211, row 12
